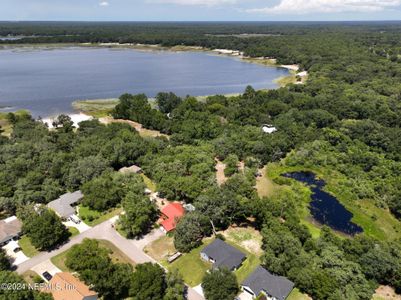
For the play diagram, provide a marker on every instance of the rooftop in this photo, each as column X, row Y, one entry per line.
column 170, row 215
column 9, row 228
column 70, row 288
column 63, row 205
column 260, row 280
column 224, row 254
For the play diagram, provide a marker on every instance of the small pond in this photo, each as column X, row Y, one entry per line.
column 325, row 208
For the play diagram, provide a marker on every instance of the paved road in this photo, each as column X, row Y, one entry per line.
column 105, row 231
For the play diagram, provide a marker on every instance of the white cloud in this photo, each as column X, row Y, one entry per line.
column 195, row 2
column 104, row 3
column 327, row 6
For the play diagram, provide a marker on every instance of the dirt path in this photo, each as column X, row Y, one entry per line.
column 138, row 127
column 220, row 177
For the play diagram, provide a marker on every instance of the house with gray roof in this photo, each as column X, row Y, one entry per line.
column 10, row 228
column 271, row 286
column 223, row 255
column 63, row 206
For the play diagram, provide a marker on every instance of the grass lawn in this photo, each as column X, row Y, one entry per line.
column 73, row 231
column 115, row 254
column 191, row 267
column 27, row 247
column 92, row 217
column 264, row 185
column 149, row 183
column 161, row 248
column 247, row 267
column 31, row 276
column 96, row 108
column 297, row 295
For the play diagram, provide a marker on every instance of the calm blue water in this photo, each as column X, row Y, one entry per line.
column 47, row 81
column 325, row 208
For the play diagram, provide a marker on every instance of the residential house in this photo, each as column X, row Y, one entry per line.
column 10, row 228
column 170, row 215
column 63, row 206
column 223, row 255
column 262, row 282
column 65, row 286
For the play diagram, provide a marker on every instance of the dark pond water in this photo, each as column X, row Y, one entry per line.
column 325, row 208
column 47, row 81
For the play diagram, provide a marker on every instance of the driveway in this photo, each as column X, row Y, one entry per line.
column 105, row 231
column 82, row 227
column 16, row 257
column 46, row 266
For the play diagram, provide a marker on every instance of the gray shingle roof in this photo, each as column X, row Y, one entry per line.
column 262, row 280
column 9, row 228
column 224, row 254
column 63, row 205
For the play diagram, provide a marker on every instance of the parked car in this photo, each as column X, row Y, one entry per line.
column 47, row 275
column 18, row 249
column 75, row 219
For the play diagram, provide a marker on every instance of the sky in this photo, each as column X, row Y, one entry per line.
column 199, row 10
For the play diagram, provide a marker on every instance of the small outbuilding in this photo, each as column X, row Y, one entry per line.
column 223, row 255
column 262, row 282
column 10, row 229
column 64, row 205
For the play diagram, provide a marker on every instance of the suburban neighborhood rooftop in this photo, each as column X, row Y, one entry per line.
column 223, row 255
column 63, row 205
column 170, row 215
column 9, row 228
column 65, row 286
column 262, row 281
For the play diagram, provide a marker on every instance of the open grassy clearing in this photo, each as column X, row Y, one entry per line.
column 246, row 237
column 115, row 254
column 95, row 108
column 264, row 185
column 161, row 248
column 149, row 183
column 93, row 217
column 376, row 222
column 27, row 247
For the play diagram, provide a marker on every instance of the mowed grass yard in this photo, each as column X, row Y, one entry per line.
column 92, row 217
column 190, row 265
column 115, row 254
column 27, row 247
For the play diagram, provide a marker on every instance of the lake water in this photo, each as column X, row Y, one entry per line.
column 325, row 208
column 46, row 81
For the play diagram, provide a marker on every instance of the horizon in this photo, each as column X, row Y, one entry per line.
column 200, row 10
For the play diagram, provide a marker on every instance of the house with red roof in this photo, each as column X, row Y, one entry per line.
column 170, row 214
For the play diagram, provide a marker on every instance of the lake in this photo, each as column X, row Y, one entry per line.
column 47, row 80
column 324, row 207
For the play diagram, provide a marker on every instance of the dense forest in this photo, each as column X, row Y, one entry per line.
column 343, row 124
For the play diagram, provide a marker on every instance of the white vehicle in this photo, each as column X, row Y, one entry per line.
column 75, row 219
